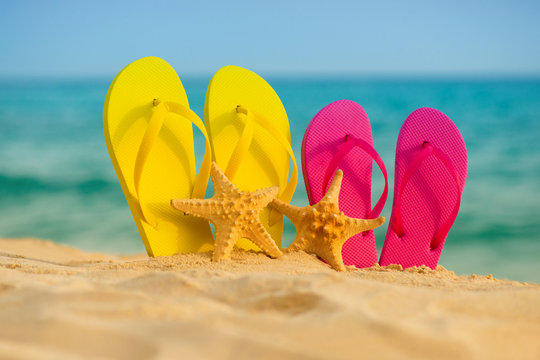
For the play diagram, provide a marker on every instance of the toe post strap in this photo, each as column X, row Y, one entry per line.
column 160, row 110
column 427, row 150
column 349, row 143
column 253, row 118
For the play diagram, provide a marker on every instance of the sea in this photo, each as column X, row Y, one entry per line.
column 57, row 181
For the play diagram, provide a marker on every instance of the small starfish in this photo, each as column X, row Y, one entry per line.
column 234, row 213
column 322, row 229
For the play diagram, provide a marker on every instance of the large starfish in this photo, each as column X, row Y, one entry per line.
column 322, row 229
column 234, row 213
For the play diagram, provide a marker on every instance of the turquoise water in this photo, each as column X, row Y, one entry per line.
column 57, row 182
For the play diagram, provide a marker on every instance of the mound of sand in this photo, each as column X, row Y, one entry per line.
column 58, row 302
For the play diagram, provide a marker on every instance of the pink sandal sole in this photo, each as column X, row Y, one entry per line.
column 339, row 137
column 431, row 170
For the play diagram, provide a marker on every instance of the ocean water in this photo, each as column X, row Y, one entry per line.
column 57, row 182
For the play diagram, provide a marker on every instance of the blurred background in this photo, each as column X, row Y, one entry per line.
column 478, row 62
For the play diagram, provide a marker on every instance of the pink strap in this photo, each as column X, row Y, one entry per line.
column 427, row 150
column 342, row 151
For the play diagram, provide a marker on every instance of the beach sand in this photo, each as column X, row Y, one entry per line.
column 59, row 302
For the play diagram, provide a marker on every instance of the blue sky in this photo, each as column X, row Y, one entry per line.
column 98, row 38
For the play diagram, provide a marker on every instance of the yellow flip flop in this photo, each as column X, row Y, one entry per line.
column 148, row 129
column 250, row 137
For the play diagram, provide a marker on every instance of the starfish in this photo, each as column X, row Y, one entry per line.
column 234, row 213
column 322, row 229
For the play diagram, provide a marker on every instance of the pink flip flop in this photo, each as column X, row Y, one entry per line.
column 431, row 169
column 339, row 137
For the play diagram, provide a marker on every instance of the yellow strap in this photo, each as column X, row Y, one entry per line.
column 242, row 148
column 287, row 194
column 201, row 182
column 147, row 143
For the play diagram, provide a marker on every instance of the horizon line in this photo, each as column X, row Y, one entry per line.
column 285, row 75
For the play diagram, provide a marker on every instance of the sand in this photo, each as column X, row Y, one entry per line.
column 58, row 302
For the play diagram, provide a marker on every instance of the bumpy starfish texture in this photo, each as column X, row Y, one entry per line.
column 322, row 229
column 234, row 213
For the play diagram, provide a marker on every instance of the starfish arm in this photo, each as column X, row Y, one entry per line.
column 260, row 237
column 332, row 194
column 299, row 243
column 329, row 251
column 294, row 213
column 355, row 226
column 204, row 208
column 332, row 255
column 224, row 242
column 221, row 182
column 264, row 196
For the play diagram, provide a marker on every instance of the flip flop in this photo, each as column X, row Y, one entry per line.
column 250, row 137
column 148, row 129
column 431, row 169
column 339, row 137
